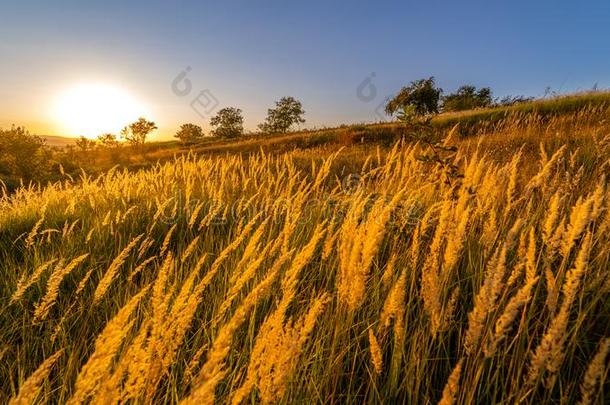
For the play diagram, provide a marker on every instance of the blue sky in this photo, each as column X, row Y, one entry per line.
column 250, row 53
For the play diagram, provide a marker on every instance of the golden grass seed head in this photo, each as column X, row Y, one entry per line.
column 30, row 389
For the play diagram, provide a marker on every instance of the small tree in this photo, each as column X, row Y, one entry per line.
column 228, row 123
column 422, row 95
column 22, row 155
column 468, row 98
column 287, row 112
column 85, row 144
column 189, row 133
column 137, row 132
column 108, row 141
column 111, row 146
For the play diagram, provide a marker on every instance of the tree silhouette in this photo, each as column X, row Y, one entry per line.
column 228, row 123
column 421, row 96
column 189, row 133
column 22, row 155
column 468, row 98
column 108, row 140
column 137, row 132
column 85, row 144
column 287, row 112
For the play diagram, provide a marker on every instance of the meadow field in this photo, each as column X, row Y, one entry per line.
column 373, row 264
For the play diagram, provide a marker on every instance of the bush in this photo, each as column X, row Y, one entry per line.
column 468, row 98
column 22, row 156
column 190, row 133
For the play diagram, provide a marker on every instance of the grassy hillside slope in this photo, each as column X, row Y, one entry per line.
column 348, row 272
column 560, row 114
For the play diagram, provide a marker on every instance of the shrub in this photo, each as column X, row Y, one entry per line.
column 22, row 156
column 189, row 133
column 468, row 98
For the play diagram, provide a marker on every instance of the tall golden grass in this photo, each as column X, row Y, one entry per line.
column 264, row 278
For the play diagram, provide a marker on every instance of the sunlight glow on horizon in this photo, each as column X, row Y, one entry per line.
column 92, row 109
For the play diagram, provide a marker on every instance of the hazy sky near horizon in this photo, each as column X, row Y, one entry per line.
column 250, row 53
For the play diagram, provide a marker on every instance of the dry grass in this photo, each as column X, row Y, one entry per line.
column 270, row 278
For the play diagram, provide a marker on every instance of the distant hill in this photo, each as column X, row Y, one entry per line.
column 58, row 141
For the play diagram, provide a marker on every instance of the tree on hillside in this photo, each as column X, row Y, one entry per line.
column 108, row 140
column 420, row 96
column 137, row 132
column 468, row 98
column 189, row 133
column 228, row 123
column 85, row 144
column 22, row 155
column 287, row 112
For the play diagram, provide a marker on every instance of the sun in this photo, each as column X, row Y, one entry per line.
column 93, row 109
